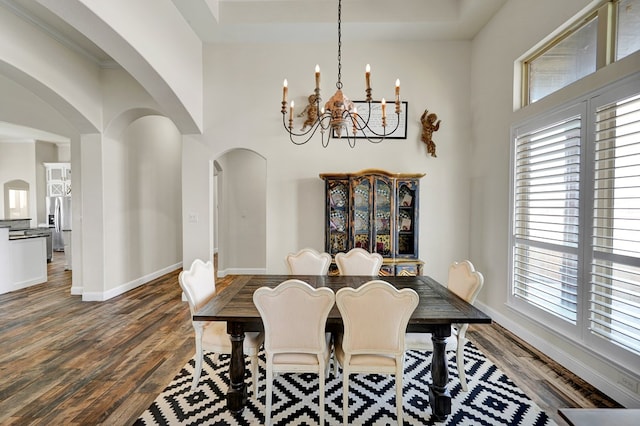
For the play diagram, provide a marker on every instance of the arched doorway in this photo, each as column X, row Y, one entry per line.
column 239, row 212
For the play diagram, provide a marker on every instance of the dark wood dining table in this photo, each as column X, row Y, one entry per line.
column 437, row 310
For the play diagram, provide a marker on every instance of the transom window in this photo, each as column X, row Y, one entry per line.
column 628, row 26
column 609, row 33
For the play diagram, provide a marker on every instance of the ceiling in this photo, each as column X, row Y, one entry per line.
column 316, row 20
column 286, row 21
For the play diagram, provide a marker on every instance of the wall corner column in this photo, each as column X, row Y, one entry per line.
column 92, row 217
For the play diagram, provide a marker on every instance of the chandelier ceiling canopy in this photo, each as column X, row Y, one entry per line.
column 339, row 117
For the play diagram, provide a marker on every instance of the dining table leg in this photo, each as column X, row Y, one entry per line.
column 439, row 396
column 237, row 392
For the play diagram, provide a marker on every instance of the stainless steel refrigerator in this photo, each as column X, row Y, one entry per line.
column 59, row 219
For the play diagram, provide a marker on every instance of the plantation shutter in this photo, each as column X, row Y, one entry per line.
column 546, row 217
column 614, row 300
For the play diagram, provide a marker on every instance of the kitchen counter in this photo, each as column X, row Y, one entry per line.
column 16, row 223
column 27, row 233
column 23, row 260
column 23, row 237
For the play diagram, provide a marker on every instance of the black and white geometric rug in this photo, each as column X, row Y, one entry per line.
column 492, row 398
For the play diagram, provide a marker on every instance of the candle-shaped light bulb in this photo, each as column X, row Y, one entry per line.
column 284, row 91
column 383, row 104
column 367, row 76
column 317, row 77
column 354, row 119
column 291, row 110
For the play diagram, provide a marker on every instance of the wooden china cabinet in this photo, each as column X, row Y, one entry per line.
column 377, row 211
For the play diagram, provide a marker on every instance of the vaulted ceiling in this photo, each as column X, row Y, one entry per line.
column 300, row 21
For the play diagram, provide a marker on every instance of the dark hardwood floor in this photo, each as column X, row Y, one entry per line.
column 65, row 361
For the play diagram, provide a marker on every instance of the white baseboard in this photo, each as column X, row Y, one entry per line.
column 607, row 385
column 117, row 291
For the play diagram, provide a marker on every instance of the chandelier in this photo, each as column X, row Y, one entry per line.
column 340, row 118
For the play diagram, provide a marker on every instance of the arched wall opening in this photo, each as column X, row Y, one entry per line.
column 240, row 215
column 142, row 193
column 16, row 199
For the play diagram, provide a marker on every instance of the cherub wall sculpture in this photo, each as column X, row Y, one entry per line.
column 430, row 124
column 311, row 110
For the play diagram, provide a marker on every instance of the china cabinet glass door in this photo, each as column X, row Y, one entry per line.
column 383, row 218
column 362, row 213
column 407, row 222
column 338, row 216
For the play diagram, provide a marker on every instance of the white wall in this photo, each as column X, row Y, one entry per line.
column 142, row 212
column 92, row 217
column 24, row 107
column 17, row 161
column 50, row 87
column 243, row 217
column 44, row 153
column 123, row 101
column 162, row 53
column 20, row 106
column 492, row 98
column 195, row 200
column 59, row 76
column 243, row 90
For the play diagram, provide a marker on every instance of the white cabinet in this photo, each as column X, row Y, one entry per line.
column 58, row 179
column 23, row 261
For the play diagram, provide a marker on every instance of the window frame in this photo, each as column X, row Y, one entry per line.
column 585, row 105
column 537, row 314
column 607, row 14
column 612, row 93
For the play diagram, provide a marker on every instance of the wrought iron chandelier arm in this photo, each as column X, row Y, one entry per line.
column 324, row 121
column 292, row 134
column 357, row 125
column 385, row 133
column 362, row 125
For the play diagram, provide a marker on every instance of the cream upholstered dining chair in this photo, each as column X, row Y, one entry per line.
column 375, row 318
column 358, row 261
column 308, row 262
column 199, row 286
column 294, row 316
column 466, row 283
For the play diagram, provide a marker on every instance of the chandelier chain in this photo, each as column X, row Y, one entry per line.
column 339, row 82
